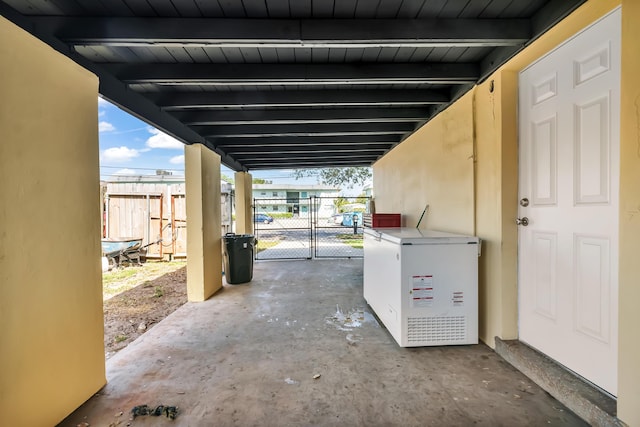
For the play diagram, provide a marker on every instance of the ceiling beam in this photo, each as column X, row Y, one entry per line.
column 302, row 116
column 276, row 157
column 176, row 101
column 310, row 155
column 316, row 129
column 288, row 33
column 295, row 74
column 305, row 164
column 302, row 141
column 545, row 18
column 329, row 154
column 306, row 161
column 114, row 90
column 550, row 14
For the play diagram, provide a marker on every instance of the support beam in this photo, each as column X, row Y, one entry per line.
column 306, row 154
column 548, row 16
column 111, row 88
column 289, row 33
column 306, row 159
column 629, row 291
column 244, row 201
column 307, row 164
column 253, row 131
column 231, row 145
column 51, row 308
column 255, row 151
column 302, row 116
column 204, row 243
column 552, row 13
column 176, row 101
column 182, row 74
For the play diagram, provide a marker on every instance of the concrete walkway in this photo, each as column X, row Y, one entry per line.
column 298, row 346
column 292, row 249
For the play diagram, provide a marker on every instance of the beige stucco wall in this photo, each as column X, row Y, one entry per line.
column 243, row 200
column 398, row 186
column 51, row 351
column 629, row 290
column 496, row 204
column 204, row 236
column 433, row 166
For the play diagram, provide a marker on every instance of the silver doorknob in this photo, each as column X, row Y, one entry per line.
column 524, row 221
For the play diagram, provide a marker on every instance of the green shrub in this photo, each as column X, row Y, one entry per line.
column 279, row 214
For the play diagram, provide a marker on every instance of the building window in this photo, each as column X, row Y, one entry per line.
column 263, row 193
column 274, row 207
column 303, row 194
column 275, row 194
column 303, row 209
column 293, row 197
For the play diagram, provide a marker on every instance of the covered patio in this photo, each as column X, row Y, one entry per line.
column 427, row 94
column 248, row 357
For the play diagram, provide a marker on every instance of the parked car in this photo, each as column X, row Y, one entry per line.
column 264, row 218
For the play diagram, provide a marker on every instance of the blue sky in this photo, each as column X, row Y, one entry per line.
column 130, row 147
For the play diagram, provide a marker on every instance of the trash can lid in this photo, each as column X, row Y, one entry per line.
column 231, row 236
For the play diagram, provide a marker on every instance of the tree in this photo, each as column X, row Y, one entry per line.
column 336, row 177
column 339, row 202
column 226, row 178
column 261, row 181
column 362, row 198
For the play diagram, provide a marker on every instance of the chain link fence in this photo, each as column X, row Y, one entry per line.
column 305, row 228
column 283, row 228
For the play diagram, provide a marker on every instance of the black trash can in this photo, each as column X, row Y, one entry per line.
column 238, row 257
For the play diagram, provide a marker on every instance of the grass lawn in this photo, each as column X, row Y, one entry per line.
column 265, row 244
column 353, row 240
column 122, row 279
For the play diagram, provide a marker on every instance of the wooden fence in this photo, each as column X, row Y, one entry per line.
column 156, row 212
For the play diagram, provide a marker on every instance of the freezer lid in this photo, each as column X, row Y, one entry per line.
column 413, row 236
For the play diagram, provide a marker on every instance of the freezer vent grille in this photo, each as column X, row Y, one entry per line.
column 437, row 329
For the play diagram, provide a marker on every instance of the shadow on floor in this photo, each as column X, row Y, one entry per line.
column 298, row 346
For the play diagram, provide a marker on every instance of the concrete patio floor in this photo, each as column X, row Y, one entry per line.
column 248, row 357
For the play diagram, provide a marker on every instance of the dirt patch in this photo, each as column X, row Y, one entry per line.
column 131, row 313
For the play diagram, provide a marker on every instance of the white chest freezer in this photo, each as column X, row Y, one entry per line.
column 423, row 285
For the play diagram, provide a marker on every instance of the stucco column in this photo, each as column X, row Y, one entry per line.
column 629, row 291
column 52, row 351
column 204, row 247
column 244, row 210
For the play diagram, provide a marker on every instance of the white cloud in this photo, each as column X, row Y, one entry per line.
column 119, row 154
column 102, row 113
column 103, row 102
column 125, row 172
column 162, row 140
column 177, row 160
column 106, row 127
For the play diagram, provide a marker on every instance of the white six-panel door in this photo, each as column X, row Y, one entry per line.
column 568, row 189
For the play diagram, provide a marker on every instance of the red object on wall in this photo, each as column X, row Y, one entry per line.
column 382, row 220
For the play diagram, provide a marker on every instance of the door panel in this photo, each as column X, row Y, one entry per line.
column 592, row 151
column 569, row 168
column 593, row 287
column 544, row 281
column 543, row 167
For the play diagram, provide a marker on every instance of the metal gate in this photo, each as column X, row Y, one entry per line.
column 338, row 235
column 305, row 228
column 283, row 228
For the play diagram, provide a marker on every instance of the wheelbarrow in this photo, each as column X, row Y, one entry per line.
column 120, row 250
